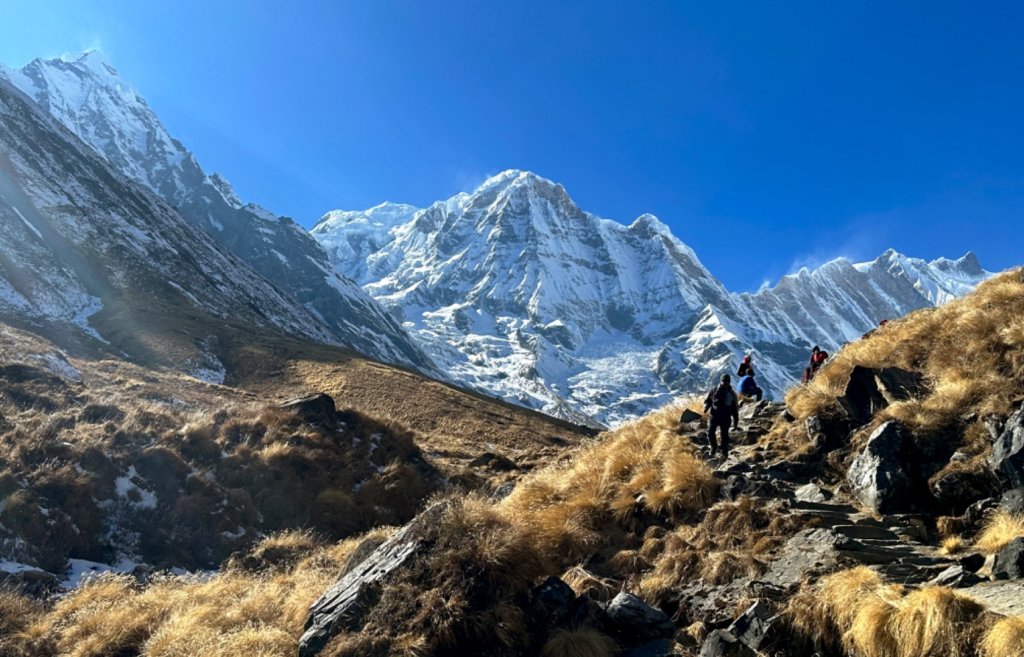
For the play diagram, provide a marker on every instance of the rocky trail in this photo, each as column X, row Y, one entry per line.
column 744, row 616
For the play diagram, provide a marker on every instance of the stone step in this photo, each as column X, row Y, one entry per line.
column 866, row 531
column 834, row 507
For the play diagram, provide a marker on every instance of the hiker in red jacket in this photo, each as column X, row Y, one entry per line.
column 746, row 368
column 818, row 358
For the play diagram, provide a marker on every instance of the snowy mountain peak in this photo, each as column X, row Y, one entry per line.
column 87, row 95
column 93, row 60
column 520, row 293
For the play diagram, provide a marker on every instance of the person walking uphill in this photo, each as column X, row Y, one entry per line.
column 746, row 367
column 723, row 405
column 818, row 358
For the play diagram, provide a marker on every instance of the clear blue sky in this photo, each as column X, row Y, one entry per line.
column 768, row 135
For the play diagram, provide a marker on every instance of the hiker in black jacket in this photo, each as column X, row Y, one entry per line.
column 723, row 405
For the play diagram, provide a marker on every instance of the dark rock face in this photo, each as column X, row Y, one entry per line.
column 689, row 416
column 752, row 626
column 862, row 398
column 1013, row 500
column 877, row 476
column 1007, row 458
column 1009, row 562
column 721, row 643
column 344, row 606
column 895, row 384
column 957, row 490
column 555, row 600
column 315, row 409
column 635, row 621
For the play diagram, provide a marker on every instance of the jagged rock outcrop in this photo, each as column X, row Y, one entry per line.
column 878, row 475
column 1007, row 458
column 343, row 607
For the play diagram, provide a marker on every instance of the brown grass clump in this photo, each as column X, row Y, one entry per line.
column 952, row 545
column 1005, row 638
column 857, row 612
column 969, row 351
column 937, row 622
column 232, row 614
column 1000, row 528
column 584, row 642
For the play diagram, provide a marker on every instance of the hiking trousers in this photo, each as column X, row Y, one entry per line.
column 721, row 424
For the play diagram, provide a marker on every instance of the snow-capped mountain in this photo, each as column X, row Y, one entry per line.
column 517, row 291
column 92, row 258
column 86, row 94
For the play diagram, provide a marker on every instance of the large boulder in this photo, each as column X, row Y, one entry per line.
column 1007, row 458
column 317, row 408
column 878, row 475
column 635, row 622
column 1009, row 562
column 344, row 606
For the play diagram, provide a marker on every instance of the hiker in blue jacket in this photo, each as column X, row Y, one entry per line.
column 749, row 388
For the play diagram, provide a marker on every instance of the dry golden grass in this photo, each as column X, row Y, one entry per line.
column 232, row 614
column 584, row 642
column 999, row 529
column 968, row 350
column 1005, row 639
column 952, row 545
column 857, row 612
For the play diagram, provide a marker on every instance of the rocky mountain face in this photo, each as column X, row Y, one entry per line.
column 88, row 97
column 517, row 291
column 90, row 255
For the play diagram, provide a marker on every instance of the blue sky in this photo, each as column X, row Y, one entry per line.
column 767, row 135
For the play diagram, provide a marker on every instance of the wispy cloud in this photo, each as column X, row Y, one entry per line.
column 863, row 238
column 468, row 181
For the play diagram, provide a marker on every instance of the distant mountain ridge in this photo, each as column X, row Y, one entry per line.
column 512, row 290
column 518, row 291
column 86, row 94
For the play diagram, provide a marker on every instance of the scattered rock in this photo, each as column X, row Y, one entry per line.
column 34, row 583
column 955, row 577
column 635, row 621
column 1013, row 500
column 554, row 599
column 876, row 475
column 344, row 606
column 314, row 409
column 752, row 626
column 1007, row 458
column 721, row 643
column 812, row 493
column 493, row 461
column 972, row 563
column 1009, row 563
column 689, row 416
column 959, row 488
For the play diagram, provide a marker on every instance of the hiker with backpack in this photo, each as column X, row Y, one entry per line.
column 749, row 387
column 818, row 358
column 745, row 367
column 723, row 405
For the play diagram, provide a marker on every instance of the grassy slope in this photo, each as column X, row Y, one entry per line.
column 636, row 510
